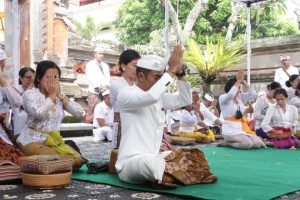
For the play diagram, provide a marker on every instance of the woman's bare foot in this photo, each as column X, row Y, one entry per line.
column 268, row 143
column 223, row 144
column 218, row 137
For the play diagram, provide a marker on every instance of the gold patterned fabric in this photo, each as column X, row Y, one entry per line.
column 187, row 167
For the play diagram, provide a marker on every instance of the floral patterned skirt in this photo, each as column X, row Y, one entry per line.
column 11, row 152
column 187, row 167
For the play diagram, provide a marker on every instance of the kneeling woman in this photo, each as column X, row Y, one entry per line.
column 284, row 119
column 45, row 108
column 235, row 129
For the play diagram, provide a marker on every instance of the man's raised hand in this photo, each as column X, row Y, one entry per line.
column 175, row 61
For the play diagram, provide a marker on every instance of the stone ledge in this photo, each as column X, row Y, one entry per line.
column 76, row 126
column 76, row 129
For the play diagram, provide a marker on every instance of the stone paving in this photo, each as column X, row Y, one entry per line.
column 79, row 190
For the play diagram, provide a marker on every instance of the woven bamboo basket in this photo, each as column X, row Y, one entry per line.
column 34, row 164
column 51, row 181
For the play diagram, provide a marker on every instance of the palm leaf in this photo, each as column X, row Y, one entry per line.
column 215, row 58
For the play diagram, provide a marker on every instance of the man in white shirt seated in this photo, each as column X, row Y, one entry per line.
column 142, row 111
column 192, row 126
column 103, row 119
column 283, row 73
column 211, row 113
column 173, row 120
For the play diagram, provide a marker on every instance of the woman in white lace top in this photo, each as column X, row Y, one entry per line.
column 283, row 116
column 45, row 108
column 261, row 106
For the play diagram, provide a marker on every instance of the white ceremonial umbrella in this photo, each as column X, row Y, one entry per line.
column 249, row 3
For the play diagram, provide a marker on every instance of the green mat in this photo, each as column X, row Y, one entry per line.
column 243, row 174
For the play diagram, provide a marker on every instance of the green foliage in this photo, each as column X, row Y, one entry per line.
column 214, row 59
column 137, row 19
column 89, row 29
column 194, row 80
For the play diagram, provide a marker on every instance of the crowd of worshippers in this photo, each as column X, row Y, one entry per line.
column 140, row 115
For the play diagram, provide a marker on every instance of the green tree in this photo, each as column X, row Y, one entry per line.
column 89, row 29
column 137, row 19
column 214, row 59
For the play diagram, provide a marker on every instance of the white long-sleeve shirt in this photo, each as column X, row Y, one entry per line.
column 209, row 117
column 9, row 97
column 295, row 101
column 114, row 89
column 142, row 122
column 281, row 77
column 279, row 118
column 97, row 77
column 261, row 106
column 227, row 105
column 188, row 121
column 229, row 108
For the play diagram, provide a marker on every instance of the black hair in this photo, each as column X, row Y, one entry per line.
column 273, row 86
column 41, row 69
column 127, row 56
column 229, row 84
column 280, row 91
column 298, row 88
column 291, row 79
column 142, row 70
column 23, row 71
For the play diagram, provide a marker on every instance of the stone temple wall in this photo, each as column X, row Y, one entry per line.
column 265, row 60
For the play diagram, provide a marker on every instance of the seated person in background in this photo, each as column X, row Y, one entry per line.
column 284, row 119
column 173, row 120
column 296, row 102
column 192, row 126
column 283, row 73
column 26, row 78
column 261, row 106
column 235, row 129
column 9, row 149
column 291, row 85
column 142, row 110
column 45, row 107
column 103, row 119
column 211, row 113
